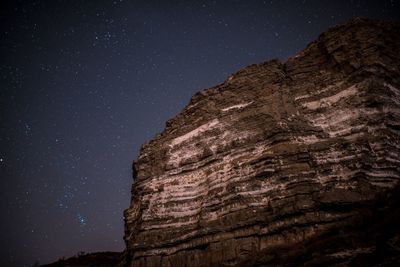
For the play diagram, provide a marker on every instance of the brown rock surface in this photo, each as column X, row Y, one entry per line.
column 280, row 164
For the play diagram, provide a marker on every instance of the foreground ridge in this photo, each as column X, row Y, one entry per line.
column 280, row 164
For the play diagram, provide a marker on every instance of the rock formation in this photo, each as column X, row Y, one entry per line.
column 280, row 164
column 96, row 259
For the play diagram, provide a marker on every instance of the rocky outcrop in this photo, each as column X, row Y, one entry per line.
column 97, row 259
column 280, row 164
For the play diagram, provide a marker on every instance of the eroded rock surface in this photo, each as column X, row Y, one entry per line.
column 281, row 156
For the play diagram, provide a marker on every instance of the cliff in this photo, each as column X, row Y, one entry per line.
column 282, row 164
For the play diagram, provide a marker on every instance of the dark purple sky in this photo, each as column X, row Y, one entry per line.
column 85, row 83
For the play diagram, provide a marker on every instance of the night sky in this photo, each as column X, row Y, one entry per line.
column 85, row 83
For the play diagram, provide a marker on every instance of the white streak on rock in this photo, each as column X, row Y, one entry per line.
column 302, row 97
column 237, row 106
column 199, row 130
column 317, row 92
column 328, row 101
column 310, row 139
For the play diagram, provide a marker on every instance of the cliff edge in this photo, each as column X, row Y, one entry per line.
column 283, row 164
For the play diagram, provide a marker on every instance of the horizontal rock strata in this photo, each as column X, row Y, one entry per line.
column 277, row 155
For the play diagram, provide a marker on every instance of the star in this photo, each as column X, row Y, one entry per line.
column 27, row 128
column 81, row 220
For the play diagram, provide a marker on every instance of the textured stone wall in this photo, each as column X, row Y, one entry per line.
column 277, row 155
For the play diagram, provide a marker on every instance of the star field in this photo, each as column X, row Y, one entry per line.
column 85, row 83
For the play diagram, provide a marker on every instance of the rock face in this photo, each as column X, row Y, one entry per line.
column 279, row 165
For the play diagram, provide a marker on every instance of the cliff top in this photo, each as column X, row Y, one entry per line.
column 354, row 48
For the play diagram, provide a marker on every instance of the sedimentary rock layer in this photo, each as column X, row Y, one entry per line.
column 277, row 155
